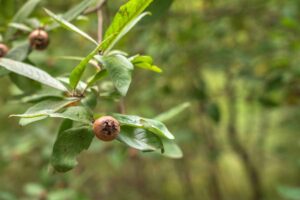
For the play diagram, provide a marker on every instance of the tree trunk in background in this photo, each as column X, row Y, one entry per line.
column 261, row 141
column 211, row 149
column 234, row 141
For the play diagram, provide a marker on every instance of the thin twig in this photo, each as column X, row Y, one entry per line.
column 100, row 24
column 121, row 106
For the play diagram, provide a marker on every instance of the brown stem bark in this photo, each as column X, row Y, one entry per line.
column 240, row 150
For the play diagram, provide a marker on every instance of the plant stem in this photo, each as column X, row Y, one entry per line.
column 100, row 24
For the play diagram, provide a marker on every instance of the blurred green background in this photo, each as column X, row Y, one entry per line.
column 235, row 61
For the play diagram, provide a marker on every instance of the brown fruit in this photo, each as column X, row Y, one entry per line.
column 3, row 50
column 39, row 39
column 106, row 128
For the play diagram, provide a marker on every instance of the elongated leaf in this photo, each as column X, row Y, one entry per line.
column 25, row 84
column 74, row 12
column 147, row 66
column 42, row 110
column 22, row 15
column 68, row 145
column 151, row 125
column 67, row 25
column 140, row 139
column 41, row 96
column 157, row 127
column 98, row 76
column 145, row 62
column 65, row 125
column 20, row 26
column 119, row 69
column 75, row 113
column 172, row 112
column 141, row 59
column 33, row 23
column 114, row 52
column 77, row 72
column 31, row 72
column 45, row 108
column 78, row 9
column 171, row 149
column 91, row 62
column 19, row 52
column 128, row 15
column 90, row 100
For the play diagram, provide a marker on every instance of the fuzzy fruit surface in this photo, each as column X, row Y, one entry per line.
column 3, row 50
column 39, row 39
column 106, row 128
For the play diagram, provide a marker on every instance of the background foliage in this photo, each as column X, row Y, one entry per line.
column 236, row 62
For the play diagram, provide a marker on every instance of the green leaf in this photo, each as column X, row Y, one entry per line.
column 114, row 52
column 98, row 76
column 42, row 110
column 69, row 143
column 75, row 113
column 31, row 72
column 119, row 69
column 157, row 127
column 149, row 67
column 145, row 62
column 91, row 62
column 65, row 125
column 142, row 59
column 140, row 139
column 171, row 149
column 151, row 125
column 21, row 15
column 128, row 16
column 19, row 52
column 20, row 26
column 90, row 100
column 79, row 69
column 41, row 96
column 25, row 84
column 67, row 25
column 74, row 12
column 33, row 23
column 172, row 112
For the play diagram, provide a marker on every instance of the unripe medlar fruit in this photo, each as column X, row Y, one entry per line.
column 3, row 50
column 39, row 39
column 106, row 128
